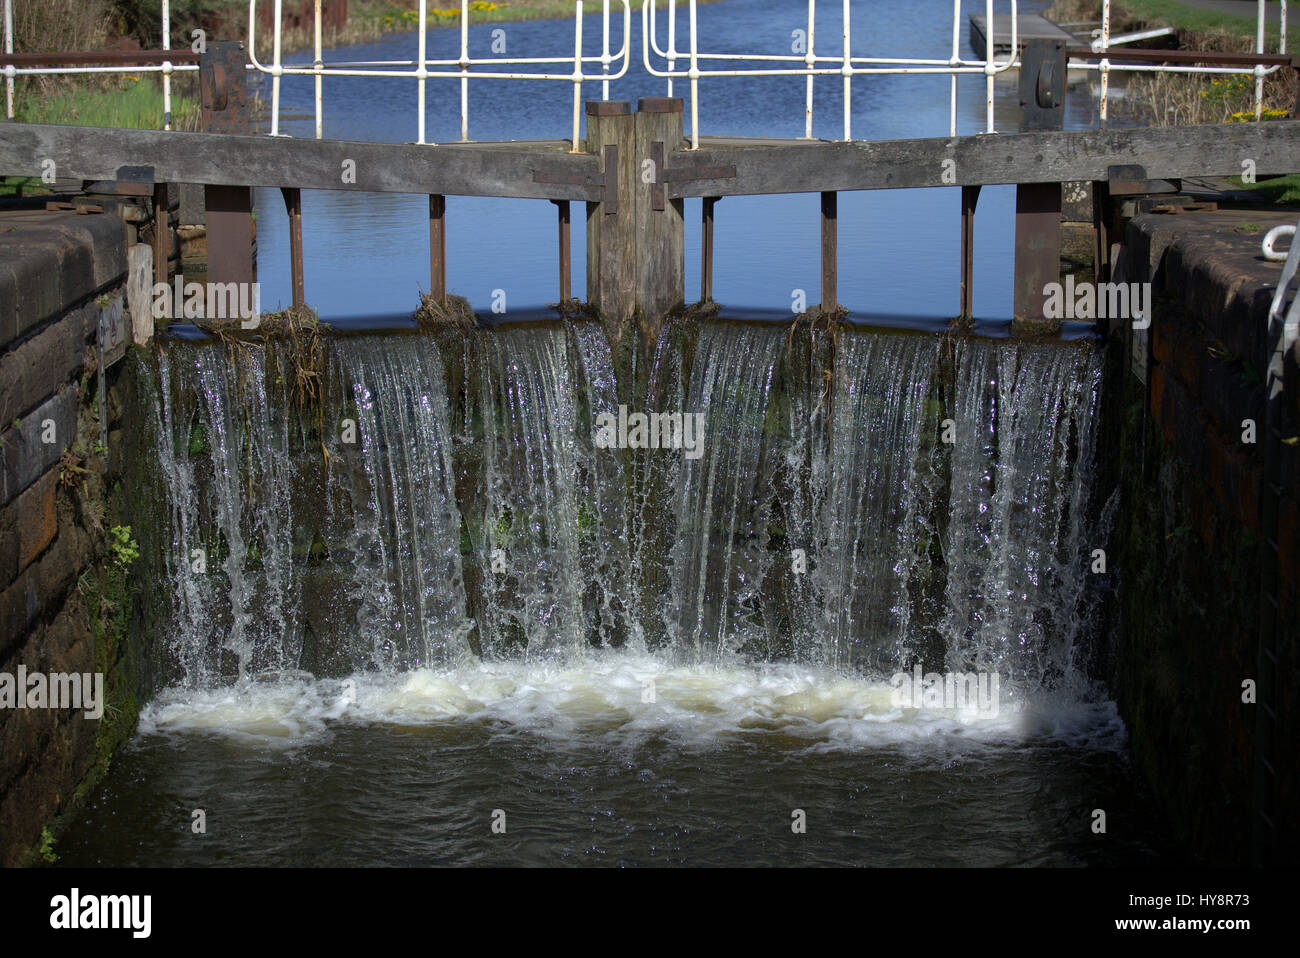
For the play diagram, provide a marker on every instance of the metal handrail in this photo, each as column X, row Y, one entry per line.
column 848, row 67
column 464, row 74
column 809, row 65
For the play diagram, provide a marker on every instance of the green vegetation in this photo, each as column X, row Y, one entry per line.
column 1171, row 13
column 23, row 186
column 1281, row 190
column 131, row 102
column 122, row 549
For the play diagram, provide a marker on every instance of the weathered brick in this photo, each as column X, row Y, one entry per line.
column 37, row 518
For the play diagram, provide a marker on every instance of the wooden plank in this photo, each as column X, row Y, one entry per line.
column 1052, row 157
column 214, row 159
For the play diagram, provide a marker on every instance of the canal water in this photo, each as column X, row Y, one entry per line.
column 436, row 622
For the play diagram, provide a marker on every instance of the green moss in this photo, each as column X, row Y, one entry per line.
column 46, row 850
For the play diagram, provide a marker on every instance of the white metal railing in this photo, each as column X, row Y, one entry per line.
column 809, row 64
column 842, row 64
column 1104, row 41
column 421, row 73
column 166, row 68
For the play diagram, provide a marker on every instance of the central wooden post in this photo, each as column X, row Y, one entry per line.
column 660, row 221
column 611, row 223
column 636, row 235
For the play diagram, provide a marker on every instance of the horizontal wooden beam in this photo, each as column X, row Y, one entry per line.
column 1171, row 152
column 216, row 159
column 546, row 170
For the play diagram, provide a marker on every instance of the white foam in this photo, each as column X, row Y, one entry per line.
column 623, row 696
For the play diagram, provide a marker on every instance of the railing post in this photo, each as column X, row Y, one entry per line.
column 1038, row 205
column 970, row 196
column 438, row 247
column 706, row 249
column 293, row 206
column 229, row 209
column 162, row 234
column 830, row 251
column 566, row 251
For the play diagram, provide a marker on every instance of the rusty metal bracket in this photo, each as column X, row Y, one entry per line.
column 657, row 158
column 606, row 181
column 681, row 174
column 224, row 88
column 1176, row 204
column 130, row 181
column 1042, row 86
column 1131, row 180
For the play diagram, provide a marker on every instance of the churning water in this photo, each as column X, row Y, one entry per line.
column 421, row 600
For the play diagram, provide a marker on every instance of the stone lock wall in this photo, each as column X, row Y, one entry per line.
column 64, row 603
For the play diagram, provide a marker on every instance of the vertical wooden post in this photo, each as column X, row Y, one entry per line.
column 229, row 209
column 611, row 223
column 706, row 250
column 830, row 251
column 1038, row 205
column 293, row 205
column 230, row 233
column 438, row 247
column 660, row 221
column 566, row 251
column 162, row 232
column 970, row 196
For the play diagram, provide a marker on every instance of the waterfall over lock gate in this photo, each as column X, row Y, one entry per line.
column 863, row 500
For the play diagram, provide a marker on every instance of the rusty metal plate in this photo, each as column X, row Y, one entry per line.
column 224, row 88
column 659, row 104
column 1131, row 180
column 1042, row 86
column 609, row 108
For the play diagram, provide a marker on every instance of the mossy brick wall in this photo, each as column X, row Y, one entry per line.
column 62, row 607
column 1191, row 532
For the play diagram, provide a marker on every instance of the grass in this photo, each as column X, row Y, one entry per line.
column 14, row 186
column 1282, row 190
column 1171, row 13
column 130, row 102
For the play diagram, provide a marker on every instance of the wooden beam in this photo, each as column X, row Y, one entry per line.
column 544, row 170
column 526, row 170
column 800, row 166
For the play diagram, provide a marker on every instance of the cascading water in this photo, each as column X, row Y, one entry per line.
column 255, row 492
column 917, row 500
column 455, row 583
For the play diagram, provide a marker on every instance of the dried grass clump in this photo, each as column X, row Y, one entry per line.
column 452, row 312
